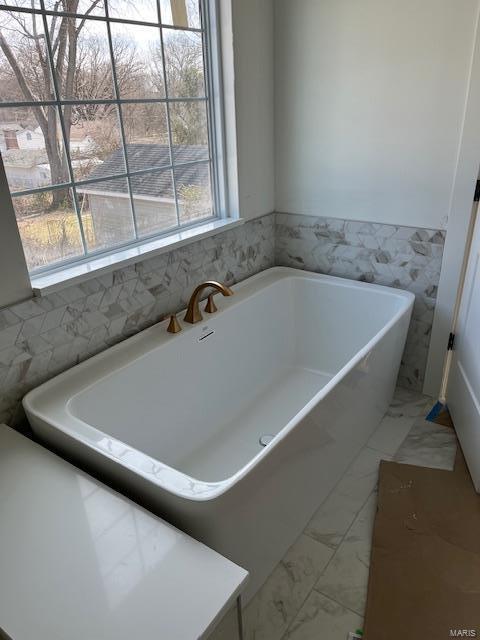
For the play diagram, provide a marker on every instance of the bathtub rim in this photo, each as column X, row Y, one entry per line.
column 161, row 474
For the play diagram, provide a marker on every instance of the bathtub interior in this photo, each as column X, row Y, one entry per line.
column 201, row 406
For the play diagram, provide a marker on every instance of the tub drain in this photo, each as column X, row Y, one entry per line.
column 265, row 439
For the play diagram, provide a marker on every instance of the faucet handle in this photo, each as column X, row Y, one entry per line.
column 174, row 325
column 210, row 307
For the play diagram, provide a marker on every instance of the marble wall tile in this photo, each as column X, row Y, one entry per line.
column 403, row 257
column 41, row 337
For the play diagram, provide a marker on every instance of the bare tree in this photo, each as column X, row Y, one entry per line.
column 26, row 52
column 82, row 70
column 184, row 65
column 81, row 66
column 93, row 77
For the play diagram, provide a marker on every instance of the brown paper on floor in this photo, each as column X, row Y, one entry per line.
column 425, row 567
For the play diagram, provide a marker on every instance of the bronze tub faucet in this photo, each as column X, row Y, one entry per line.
column 193, row 314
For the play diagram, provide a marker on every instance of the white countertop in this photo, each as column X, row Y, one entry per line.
column 79, row 561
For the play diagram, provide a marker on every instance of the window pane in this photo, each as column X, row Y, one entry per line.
column 146, row 135
column 106, row 213
column 88, row 74
column 194, row 192
column 184, row 63
column 30, row 160
column 154, row 202
column 48, row 227
column 89, row 7
column 181, row 13
column 73, row 62
column 189, row 131
column 138, row 61
column 23, row 49
column 95, row 140
column 142, row 10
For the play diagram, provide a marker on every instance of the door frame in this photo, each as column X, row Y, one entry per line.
column 458, row 225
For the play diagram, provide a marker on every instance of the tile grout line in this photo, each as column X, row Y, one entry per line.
column 295, row 614
column 323, row 571
column 366, row 446
column 335, row 550
column 283, row 637
column 328, row 597
column 346, row 533
column 375, row 490
column 304, row 532
column 294, row 617
column 390, row 455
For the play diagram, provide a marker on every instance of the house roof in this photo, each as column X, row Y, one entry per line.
column 145, row 156
column 10, row 126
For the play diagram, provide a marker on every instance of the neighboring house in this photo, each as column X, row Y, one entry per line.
column 8, row 135
column 154, row 199
column 26, row 168
column 25, row 159
column 16, row 136
column 31, row 138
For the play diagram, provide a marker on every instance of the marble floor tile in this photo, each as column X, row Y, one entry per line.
column 345, row 579
column 428, row 445
column 271, row 610
column 323, row 619
column 335, row 516
column 319, row 589
column 406, row 407
column 410, row 402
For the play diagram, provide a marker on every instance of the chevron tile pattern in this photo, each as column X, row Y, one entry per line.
column 401, row 257
column 43, row 336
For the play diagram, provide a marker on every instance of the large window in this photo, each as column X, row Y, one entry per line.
column 106, row 128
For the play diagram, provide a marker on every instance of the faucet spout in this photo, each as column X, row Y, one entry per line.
column 193, row 314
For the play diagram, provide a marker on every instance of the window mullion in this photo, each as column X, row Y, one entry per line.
column 66, row 149
column 167, row 104
column 82, row 183
column 46, row 103
column 208, row 93
column 192, row 205
column 98, row 18
column 120, row 120
column 215, row 114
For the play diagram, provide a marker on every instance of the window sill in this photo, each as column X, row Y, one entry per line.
column 44, row 284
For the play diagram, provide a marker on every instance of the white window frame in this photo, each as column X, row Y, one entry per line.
column 81, row 268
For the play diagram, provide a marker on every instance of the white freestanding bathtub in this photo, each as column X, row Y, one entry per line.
column 175, row 420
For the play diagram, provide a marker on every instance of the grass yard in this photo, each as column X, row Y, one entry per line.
column 53, row 236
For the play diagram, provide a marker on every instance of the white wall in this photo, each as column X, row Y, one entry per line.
column 458, row 231
column 253, row 49
column 369, row 102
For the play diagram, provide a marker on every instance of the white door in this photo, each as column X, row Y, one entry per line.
column 463, row 391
